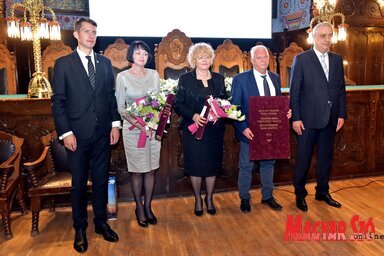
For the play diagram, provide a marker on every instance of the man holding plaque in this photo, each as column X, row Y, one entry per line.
column 318, row 102
column 256, row 82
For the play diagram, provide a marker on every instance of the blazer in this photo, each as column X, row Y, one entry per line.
column 76, row 106
column 190, row 96
column 313, row 99
column 243, row 86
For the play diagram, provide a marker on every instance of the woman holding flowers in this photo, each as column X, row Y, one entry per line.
column 202, row 158
column 132, row 85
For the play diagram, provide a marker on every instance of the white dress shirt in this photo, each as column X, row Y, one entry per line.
column 326, row 58
column 260, row 80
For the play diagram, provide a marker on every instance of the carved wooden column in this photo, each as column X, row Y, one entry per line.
column 3, row 30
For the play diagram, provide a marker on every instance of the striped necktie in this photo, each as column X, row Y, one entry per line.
column 324, row 65
column 91, row 72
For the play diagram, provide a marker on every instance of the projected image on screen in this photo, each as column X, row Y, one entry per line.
column 197, row 18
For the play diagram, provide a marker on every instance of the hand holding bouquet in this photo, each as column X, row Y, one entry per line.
column 153, row 110
column 221, row 108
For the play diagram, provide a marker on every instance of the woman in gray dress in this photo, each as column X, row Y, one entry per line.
column 132, row 84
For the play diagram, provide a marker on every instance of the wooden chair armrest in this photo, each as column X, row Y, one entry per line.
column 32, row 165
column 11, row 159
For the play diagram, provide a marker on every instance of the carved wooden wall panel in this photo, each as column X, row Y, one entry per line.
column 351, row 141
column 379, row 140
column 359, row 146
column 8, row 62
column 375, row 58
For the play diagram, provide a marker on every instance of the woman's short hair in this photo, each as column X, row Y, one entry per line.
column 138, row 45
column 199, row 49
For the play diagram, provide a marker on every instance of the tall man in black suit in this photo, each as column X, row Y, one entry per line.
column 318, row 103
column 85, row 112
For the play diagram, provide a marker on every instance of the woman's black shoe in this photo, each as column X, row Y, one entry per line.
column 198, row 213
column 152, row 220
column 210, row 211
column 142, row 223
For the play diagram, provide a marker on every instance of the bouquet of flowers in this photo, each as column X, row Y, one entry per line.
column 228, row 85
column 214, row 109
column 224, row 109
column 148, row 110
column 168, row 86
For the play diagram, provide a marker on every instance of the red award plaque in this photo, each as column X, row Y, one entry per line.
column 200, row 131
column 270, row 126
column 164, row 117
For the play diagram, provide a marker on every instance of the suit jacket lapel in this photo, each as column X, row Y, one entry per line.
column 275, row 83
column 317, row 63
column 79, row 65
column 252, row 84
column 99, row 72
column 77, row 62
column 331, row 66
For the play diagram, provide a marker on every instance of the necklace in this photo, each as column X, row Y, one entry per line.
column 203, row 76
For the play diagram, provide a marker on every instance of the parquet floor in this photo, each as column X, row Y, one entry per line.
column 230, row 232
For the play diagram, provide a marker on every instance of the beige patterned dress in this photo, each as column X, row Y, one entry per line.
column 128, row 89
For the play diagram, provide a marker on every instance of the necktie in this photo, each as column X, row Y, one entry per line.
column 267, row 92
column 324, row 65
column 91, row 72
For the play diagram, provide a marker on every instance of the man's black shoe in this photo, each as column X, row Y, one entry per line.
column 81, row 243
column 271, row 202
column 301, row 204
column 328, row 199
column 108, row 234
column 245, row 206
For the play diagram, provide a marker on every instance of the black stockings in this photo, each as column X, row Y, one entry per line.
column 209, row 186
column 137, row 181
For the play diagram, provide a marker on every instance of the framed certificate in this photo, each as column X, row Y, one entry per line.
column 270, row 126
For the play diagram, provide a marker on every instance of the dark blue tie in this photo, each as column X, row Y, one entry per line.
column 267, row 92
column 91, row 72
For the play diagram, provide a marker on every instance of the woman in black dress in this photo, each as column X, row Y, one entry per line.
column 202, row 158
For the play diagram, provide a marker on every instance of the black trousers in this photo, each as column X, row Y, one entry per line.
column 323, row 139
column 92, row 157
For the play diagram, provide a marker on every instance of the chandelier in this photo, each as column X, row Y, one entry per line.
column 34, row 26
column 324, row 11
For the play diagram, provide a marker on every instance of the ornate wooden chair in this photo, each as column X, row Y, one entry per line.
column 285, row 61
column 171, row 55
column 7, row 72
column 117, row 53
column 10, row 181
column 229, row 59
column 49, row 176
column 54, row 51
column 272, row 66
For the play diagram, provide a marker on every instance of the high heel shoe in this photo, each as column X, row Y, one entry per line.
column 142, row 223
column 152, row 220
column 210, row 211
column 198, row 213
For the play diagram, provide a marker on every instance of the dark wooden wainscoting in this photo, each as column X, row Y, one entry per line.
column 359, row 147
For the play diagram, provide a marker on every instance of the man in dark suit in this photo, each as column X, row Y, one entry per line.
column 85, row 112
column 318, row 103
column 244, row 85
